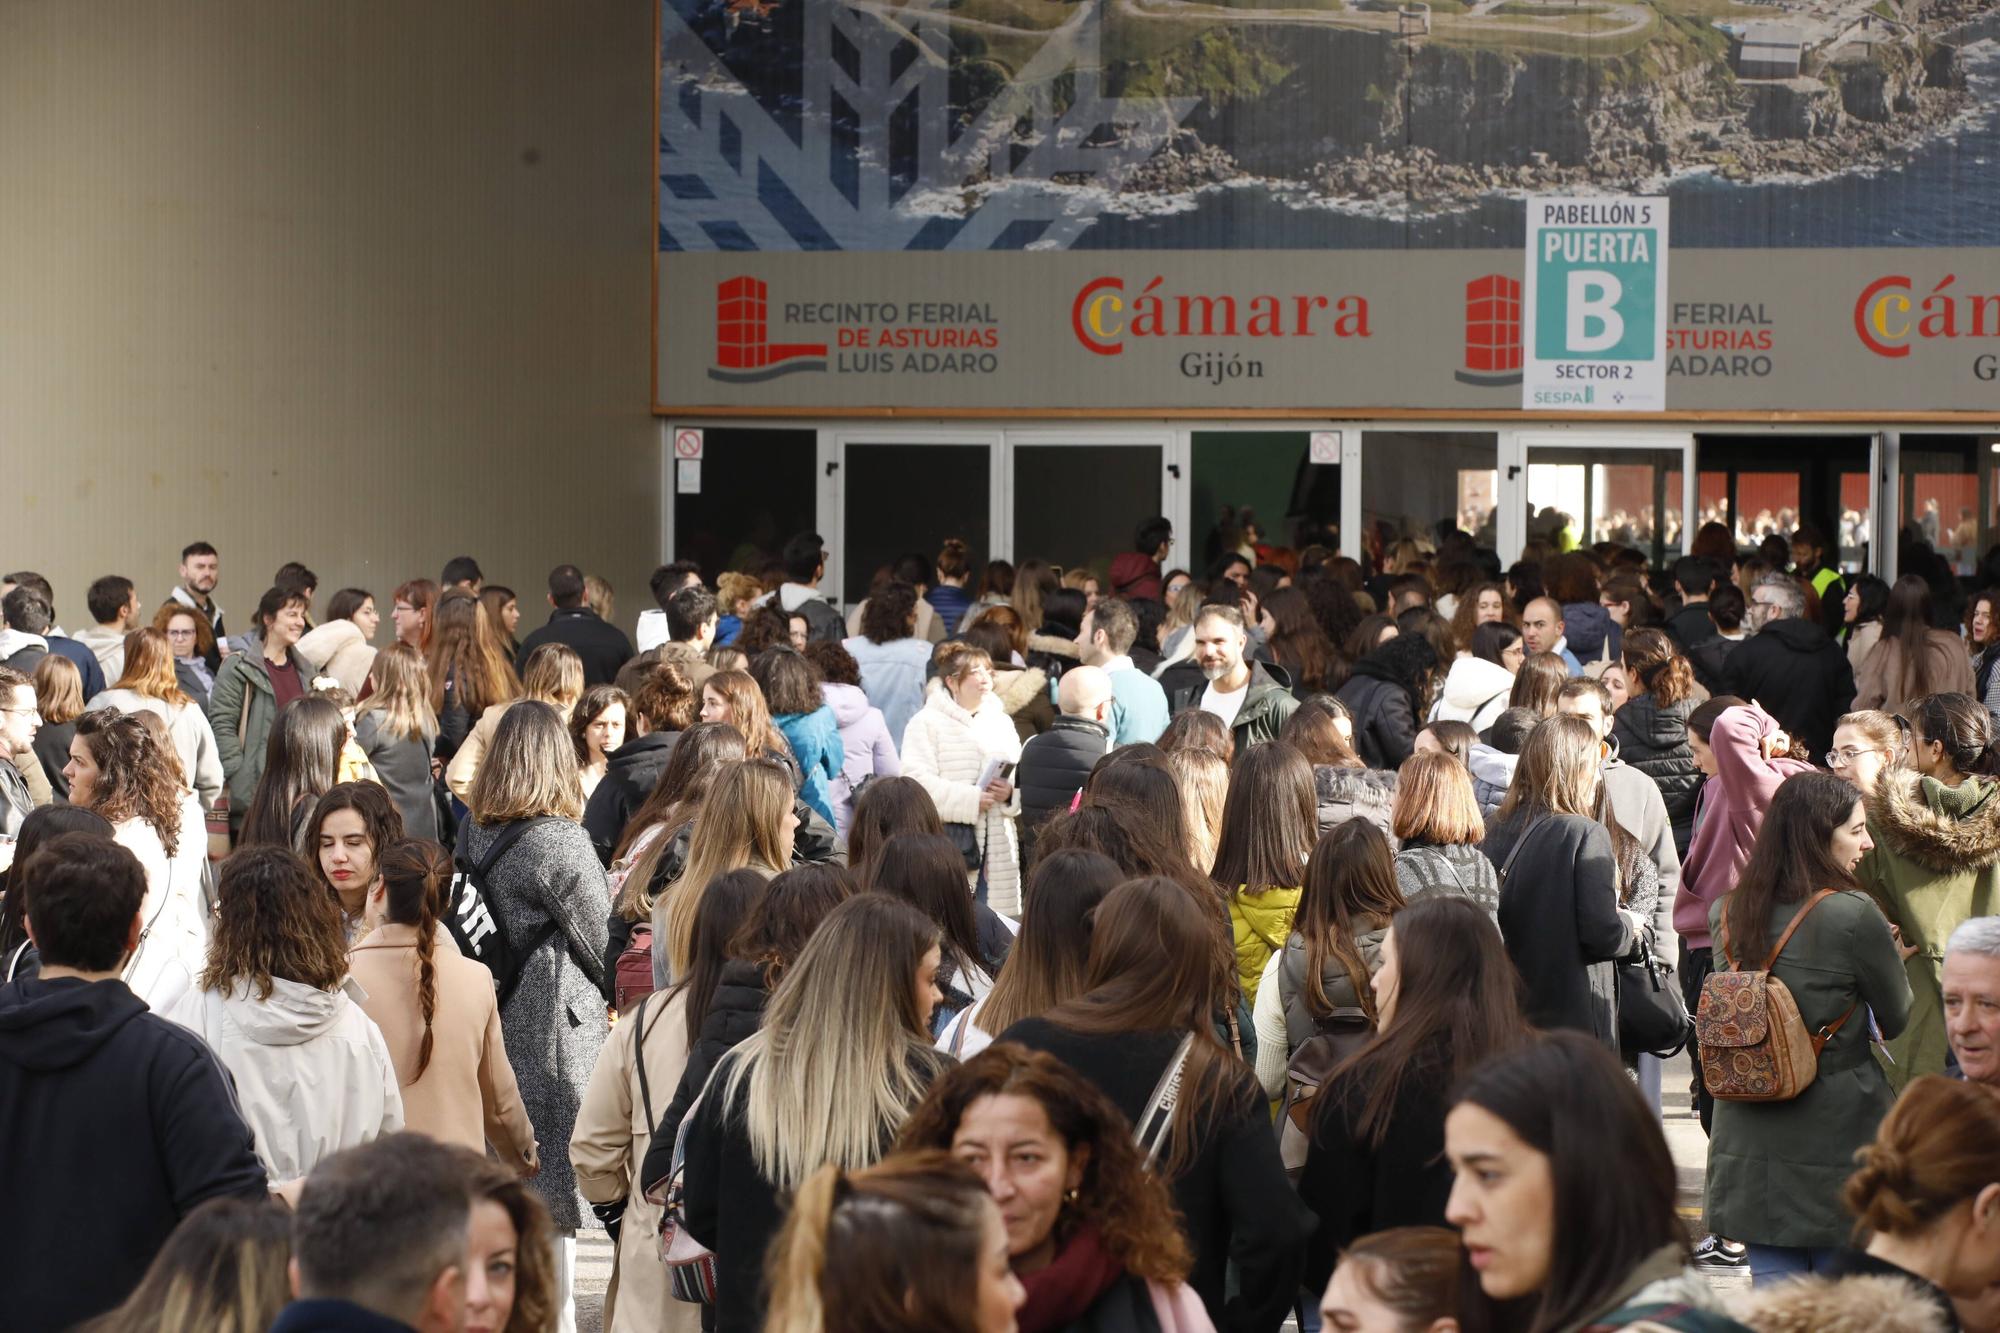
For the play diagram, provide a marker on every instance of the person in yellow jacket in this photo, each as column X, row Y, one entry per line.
column 1269, row 825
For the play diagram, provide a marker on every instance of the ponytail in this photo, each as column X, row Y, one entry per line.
column 1963, row 727
column 413, row 875
column 799, row 1257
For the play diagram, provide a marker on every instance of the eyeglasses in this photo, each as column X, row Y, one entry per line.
column 180, row 634
column 30, row 711
column 1842, row 758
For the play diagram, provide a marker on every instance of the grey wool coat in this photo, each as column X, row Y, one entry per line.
column 555, row 1022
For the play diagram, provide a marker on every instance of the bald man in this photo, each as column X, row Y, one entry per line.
column 1542, row 632
column 1055, row 763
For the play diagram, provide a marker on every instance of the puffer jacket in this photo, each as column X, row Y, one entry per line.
column 1054, row 766
column 1354, row 793
column 1475, row 691
column 816, row 744
column 1652, row 738
column 867, row 749
column 1259, row 924
column 1492, row 773
column 337, row 649
column 946, row 749
column 734, row 1013
column 1591, row 633
column 892, row 675
column 1385, row 726
column 1281, row 1017
column 312, row 1072
column 1936, row 862
column 1025, row 695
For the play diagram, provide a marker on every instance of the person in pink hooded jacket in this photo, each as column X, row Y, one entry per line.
column 870, row 751
column 1742, row 749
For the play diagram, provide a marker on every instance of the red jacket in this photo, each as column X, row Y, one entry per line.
column 1135, row 574
column 1729, row 812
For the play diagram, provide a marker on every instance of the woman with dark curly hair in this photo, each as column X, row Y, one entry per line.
column 1091, row 1231
column 119, row 768
column 312, row 1072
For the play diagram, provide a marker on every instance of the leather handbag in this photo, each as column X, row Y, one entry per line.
column 1652, row 1016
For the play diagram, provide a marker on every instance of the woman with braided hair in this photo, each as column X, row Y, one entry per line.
column 437, row 1011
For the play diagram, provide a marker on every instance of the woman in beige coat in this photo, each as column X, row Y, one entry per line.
column 438, row 1013
column 553, row 673
column 1911, row 659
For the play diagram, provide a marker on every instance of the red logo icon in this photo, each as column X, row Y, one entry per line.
column 743, row 352
column 1492, row 331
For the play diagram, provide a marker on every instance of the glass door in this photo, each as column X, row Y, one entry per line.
column 888, row 493
column 736, row 493
column 1948, row 499
column 1772, row 484
column 1076, row 498
column 1562, row 491
column 1417, row 486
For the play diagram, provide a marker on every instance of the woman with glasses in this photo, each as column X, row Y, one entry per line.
column 1937, row 856
column 191, row 640
column 1866, row 745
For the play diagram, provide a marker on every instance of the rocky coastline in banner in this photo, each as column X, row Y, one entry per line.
column 1430, row 127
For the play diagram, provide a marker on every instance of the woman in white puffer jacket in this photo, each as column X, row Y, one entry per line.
column 949, row 745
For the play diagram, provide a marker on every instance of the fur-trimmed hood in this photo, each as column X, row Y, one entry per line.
column 1944, row 829
column 1858, row 1304
column 1017, row 689
column 1055, row 645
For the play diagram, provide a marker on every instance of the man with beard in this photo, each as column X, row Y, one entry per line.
column 1250, row 702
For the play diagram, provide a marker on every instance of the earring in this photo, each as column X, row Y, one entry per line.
column 1072, row 1195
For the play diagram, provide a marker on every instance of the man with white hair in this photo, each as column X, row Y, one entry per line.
column 1054, row 764
column 1972, row 999
column 1790, row 664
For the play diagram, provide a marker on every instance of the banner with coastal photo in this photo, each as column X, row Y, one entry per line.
column 947, row 157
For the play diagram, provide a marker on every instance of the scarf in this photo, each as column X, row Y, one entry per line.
column 1063, row 1292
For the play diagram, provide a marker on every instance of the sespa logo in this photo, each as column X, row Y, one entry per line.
column 744, row 353
column 1492, row 331
column 1888, row 318
column 1102, row 317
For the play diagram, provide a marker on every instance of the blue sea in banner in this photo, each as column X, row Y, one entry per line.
column 1944, row 191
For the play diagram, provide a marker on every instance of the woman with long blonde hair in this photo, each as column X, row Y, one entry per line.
column 747, row 821
column 468, row 672
column 223, row 1270
column 843, row 1055
column 149, row 683
column 397, row 730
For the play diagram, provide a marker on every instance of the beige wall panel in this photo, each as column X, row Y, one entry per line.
column 363, row 284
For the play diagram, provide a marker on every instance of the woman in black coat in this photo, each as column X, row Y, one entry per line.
column 1159, row 968
column 787, row 910
column 1446, row 998
column 1559, row 882
column 1652, row 728
column 1387, row 695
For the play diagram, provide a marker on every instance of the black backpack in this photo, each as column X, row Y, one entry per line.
column 469, row 916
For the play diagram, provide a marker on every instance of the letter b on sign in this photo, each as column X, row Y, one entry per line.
column 1595, row 301
column 1594, row 324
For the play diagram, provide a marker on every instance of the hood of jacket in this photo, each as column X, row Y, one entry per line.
column 1473, row 681
column 1944, row 829
column 294, row 1015
column 1862, row 1303
column 1493, row 767
column 848, row 702
column 1267, row 684
column 1057, row 640
column 938, row 700
column 1801, row 636
column 320, row 643
column 13, row 641
column 642, row 753
column 1332, row 784
column 1017, row 689
column 46, row 1026
column 98, row 637
column 1135, row 574
column 1586, row 625
column 792, row 596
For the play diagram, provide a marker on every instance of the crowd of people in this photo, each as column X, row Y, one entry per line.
column 1017, row 948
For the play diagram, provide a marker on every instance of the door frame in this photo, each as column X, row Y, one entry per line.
column 831, row 484
column 1510, row 531
column 1166, row 440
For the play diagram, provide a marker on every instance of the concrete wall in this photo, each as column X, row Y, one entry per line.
column 359, row 283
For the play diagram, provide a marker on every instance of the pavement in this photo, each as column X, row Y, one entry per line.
column 1684, row 1137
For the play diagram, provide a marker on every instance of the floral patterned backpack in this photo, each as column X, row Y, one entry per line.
column 1754, row 1045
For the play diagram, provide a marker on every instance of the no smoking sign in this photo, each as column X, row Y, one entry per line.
column 687, row 444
